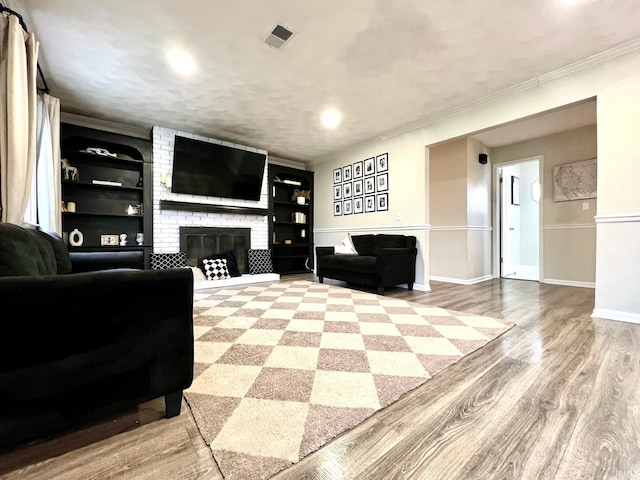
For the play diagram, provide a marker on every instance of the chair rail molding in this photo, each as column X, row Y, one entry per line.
column 618, row 218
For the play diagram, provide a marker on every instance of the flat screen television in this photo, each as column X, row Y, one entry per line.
column 203, row 168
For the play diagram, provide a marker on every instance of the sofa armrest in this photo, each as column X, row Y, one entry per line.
column 396, row 265
column 322, row 251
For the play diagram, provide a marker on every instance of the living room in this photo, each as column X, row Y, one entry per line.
column 588, row 253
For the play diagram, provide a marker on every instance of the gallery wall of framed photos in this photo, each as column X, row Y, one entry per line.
column 362, row 186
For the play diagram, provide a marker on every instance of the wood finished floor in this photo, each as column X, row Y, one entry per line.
column 556, row 397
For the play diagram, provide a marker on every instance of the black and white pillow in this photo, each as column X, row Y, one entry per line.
column 216, row 268
column 260, row 261
column 163, row 261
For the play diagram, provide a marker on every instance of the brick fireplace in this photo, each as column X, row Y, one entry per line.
column 199, row 242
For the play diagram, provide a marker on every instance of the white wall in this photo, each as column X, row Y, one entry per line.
column 616, row 85
column 167, row 223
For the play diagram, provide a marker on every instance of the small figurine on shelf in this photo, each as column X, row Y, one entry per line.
column 70, row 173
column 140, row 238
column 123, row 239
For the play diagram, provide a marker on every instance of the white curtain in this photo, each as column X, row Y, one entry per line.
column 18, row 94
column 44, row 202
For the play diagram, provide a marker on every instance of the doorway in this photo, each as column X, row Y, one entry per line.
column 519, row 211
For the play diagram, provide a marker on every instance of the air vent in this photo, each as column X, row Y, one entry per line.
column 278, row 37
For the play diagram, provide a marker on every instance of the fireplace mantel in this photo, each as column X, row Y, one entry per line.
column 205, row 207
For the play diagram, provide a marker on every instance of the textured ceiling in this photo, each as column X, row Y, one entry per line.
column 385, row 64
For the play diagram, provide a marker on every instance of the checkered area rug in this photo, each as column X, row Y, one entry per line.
column 283, row 368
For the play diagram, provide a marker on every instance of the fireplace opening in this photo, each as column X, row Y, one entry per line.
column 200, row 242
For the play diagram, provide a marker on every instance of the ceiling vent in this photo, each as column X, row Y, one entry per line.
column 278, row 37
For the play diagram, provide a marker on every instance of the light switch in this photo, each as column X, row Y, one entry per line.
column 585, row 205
column 399, row 216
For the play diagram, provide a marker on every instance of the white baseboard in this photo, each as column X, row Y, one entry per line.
column 461, row 281
column 569, row 283
column 616, row 315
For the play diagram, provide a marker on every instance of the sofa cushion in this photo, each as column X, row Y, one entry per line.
column 365, row 264
column 391, row 241
column 364, row 244
column 24, row 251
column 60, row 251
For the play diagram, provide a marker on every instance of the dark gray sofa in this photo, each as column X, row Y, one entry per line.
column 383, row 260
column 77, row 346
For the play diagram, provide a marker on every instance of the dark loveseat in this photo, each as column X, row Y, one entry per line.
column 77, row 346
column 383, row 260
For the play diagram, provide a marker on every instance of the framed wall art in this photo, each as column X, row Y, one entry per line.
column 382, row 202
column 357, row 188
column 358, row 169
column 575, row 181
column 382, row 163
column 337, row 175
column 347, row 207
column 346, row 190
column 346, row 173
column 369, row 185
column 337, row 192
column 358, row 205
column 370, row 203
column 382, row 182
column 337, row 209
column 369, row 166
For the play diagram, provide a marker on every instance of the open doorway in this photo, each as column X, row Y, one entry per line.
column 519, row 219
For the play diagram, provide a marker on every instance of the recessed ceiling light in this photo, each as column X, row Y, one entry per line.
column 331, row 118
column 181, row 62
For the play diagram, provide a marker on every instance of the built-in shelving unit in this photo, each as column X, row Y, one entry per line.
column 123, row 205
column 290, row 223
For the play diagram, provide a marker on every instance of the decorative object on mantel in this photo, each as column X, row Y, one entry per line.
column 365, row 177
column 575, row 181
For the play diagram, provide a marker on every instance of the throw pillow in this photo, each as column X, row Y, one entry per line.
column 198, row 274
column 259, row 261
column 163, row 261
column 216, row 269
column 345, row 247
column 232, row 261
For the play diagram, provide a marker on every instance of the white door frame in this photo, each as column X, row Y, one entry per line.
column 497, row 233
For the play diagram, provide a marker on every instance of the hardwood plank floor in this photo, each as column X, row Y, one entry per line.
column 555, row 397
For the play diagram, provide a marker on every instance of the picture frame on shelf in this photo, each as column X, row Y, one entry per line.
column 358, row 205
column 370, row 203
column 358, row 188
column 346, row 190
column 369, row 185
column 337, row 209
column 346, row 173
column 382, row 182
column 382, row 202
column 370, row 166
column 358, row 169
column 337, row 192
column 347, row 207
column 109, row 240
column 337, row 175
column 382, row 163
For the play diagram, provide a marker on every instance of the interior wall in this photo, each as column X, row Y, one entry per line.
column 569, row 247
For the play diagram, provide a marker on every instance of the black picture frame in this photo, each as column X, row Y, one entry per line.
column 337, row 209
column 369, row 185
column 370, row 166
column 358, row 188
column 347, row 207
column 346, row 173
column 337, row 175
column 347, row 191
column 382, row 163
column 337, row 192
column 358, row 169
column 515, row 190
column 358, row 205
column 370, row 203
column 382, row 202
column 382, row 182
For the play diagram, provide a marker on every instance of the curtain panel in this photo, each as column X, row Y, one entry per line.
column 18, row 101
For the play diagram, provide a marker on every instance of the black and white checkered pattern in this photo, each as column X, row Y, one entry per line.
column 163, row 261
column 260, row 261
column 216, row 269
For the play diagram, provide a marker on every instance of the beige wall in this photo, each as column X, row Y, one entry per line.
column 615, row 82
column 568, row 244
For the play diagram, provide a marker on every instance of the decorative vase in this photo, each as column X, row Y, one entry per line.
column 76, row 238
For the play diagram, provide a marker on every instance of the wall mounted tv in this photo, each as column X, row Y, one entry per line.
column 203, row 168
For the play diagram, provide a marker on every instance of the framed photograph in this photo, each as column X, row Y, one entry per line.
column 358, row 169
column 346, row 190
column 108, row 240
column 346, row 173
column 337, row 192
column 382, row 182
column 369, row 185
column 337, row 175
column 382, row 163
column 337, row 209
column 370, row 203
column 515, row 190
column 382, row 202
column 575, row 181
column 347, row 207
column 357, row 188
column 358, row 205
column 369, row 166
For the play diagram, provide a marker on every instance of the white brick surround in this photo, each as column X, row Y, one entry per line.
column 166, row 223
